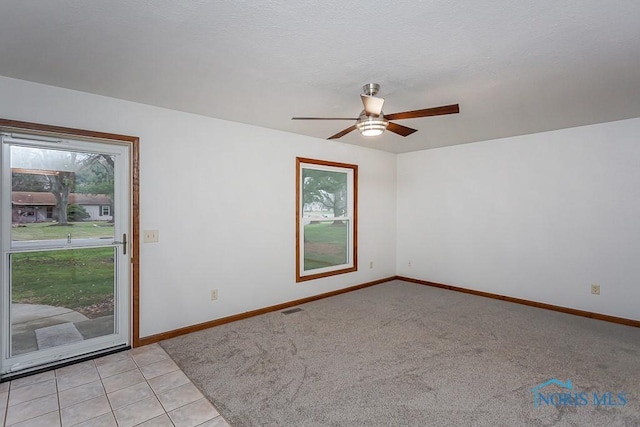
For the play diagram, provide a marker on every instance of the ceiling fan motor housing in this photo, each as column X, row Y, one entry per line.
column 371, row 89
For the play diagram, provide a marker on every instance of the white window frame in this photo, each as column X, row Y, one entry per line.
column 351, row 217
column 102, row 210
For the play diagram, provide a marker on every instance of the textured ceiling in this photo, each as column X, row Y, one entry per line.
column 514, row 67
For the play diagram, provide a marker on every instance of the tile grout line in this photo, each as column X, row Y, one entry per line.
column 55, row 376
column 156, row 394
column 138, row 367
column 106, row 395
column 6, row 405
column 113, row 411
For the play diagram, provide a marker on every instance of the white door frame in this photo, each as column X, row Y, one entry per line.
column 127, row 327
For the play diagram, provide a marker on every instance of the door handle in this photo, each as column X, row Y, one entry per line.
column 123, row 243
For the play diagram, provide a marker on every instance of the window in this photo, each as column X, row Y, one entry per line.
column 326, row 218
column 105, row 210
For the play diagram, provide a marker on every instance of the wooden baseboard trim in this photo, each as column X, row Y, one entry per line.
column 193, row 328
column 575, row 312
column 200, row 326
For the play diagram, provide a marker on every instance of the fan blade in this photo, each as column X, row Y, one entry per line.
column 324, row 118
column 372, row 105
column 400, row 130
column 436, row 111
column 343, row 133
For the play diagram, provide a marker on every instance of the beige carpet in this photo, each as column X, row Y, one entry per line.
column 401, row 354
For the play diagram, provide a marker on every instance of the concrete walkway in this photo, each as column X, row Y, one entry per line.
column 35, row 327
column 29, row 317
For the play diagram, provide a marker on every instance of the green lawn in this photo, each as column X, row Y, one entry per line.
column 325, row 245
column 76, row 278
column 51, row 231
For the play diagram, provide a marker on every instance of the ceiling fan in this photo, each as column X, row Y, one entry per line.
column 372, row 121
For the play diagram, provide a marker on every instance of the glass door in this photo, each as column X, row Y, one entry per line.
column 65, row 221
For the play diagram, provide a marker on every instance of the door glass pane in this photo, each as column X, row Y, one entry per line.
column 58, row 195
column 60, row 297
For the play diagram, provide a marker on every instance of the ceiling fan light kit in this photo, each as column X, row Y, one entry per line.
column 371, row 126
column 372, row 122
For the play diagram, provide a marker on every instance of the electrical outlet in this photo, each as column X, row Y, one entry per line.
column 409, row 264
column 370, row 264
column 150, row 236
column 214, row 294
column 595, row 289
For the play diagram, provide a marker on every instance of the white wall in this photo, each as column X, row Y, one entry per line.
column 200, row 179
column 539, row 217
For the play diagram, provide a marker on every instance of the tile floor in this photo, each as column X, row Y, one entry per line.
column 139, row 387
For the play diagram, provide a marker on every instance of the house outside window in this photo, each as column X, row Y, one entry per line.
column 105, row 210
column 326, row 218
